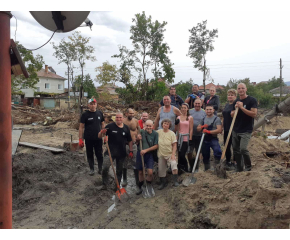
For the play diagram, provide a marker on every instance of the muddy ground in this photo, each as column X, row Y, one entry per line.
column 55, row 190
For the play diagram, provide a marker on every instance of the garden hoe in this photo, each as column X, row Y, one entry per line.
column 220, row 168
column 121, row 192
column 147, row 190
column 192, row 179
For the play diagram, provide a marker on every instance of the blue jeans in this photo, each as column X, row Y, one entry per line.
column 214, row 144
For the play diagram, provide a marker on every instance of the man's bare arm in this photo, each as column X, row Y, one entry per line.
column 176, row 111
column 216, row 131
column 156, row 122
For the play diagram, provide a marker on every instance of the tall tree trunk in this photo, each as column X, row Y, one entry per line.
column 68, row 87
column 81, row 93
column 204, row 67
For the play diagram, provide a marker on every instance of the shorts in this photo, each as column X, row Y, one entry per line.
column 194, row 143
column 163, row 163
column 148, row 161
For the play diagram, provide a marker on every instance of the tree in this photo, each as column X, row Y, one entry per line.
column 88, row 85
column 83, row 53
column 106, row 73
column 201, row 41
column 65, row 53
column 149, row 51
column 33, row 64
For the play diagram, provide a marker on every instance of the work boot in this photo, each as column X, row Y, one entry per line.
column 230, row 166
column 92, row 172
column 163, row 183
column 175, row 181
column 206, row 167
column 124, row 183
column 136, row 173
column 140, row 188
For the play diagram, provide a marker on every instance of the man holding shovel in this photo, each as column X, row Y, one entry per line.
column 243, row 127
column 118, row 135
column 149, row 139
column 211, row 126
column 92, row 121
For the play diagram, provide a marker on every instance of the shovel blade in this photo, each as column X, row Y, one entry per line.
column 151, row 190
column 122, row 195
column 189, row 180
column 220, row 170
column 145, row 192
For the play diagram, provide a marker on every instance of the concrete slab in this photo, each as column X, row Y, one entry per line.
column 32, row 145
column 16, row 134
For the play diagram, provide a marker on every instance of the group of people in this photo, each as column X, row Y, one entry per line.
column 172, row 138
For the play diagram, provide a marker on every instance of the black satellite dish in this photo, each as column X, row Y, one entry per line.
column 62, row 21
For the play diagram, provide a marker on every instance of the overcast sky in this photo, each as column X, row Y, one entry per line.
column 249, row 44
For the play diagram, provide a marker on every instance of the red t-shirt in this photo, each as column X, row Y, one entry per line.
column 140, row 123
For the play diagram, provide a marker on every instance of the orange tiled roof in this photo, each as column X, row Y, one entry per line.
column 208, row 86
column 42, row 73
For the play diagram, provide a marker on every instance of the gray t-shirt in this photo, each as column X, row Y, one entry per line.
column 209, row 121
column 197, row 117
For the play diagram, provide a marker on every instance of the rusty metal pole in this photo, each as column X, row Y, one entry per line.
column 5, row 124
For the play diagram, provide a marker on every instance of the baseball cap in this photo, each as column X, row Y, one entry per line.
column 92, row 100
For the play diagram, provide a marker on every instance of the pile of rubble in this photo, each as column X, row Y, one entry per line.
column 37, row 115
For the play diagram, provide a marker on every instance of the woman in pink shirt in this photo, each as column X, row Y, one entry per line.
column 185, row 130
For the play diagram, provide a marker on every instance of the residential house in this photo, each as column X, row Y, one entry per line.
column 218, row 87
column 276, row 91
column 49, row 82
column 107, row 92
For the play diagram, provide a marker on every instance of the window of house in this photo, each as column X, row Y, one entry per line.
column 47, row 85
column 38, row 89
column 59, row 86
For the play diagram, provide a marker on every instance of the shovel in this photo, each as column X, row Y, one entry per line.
column 220, row 168
column 147, row 190
column 192, row 180
column 121, row 192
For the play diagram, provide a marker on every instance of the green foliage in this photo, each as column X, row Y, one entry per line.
column 184, row 88
column 259, row 91
column 129, row 94
column 17, row 93
column 65, row 52
column 45, row 94
column 106, row 73
column 157, row 90
column 33, row 64
column 149, row 52
column 201, row 41
column 88, row 85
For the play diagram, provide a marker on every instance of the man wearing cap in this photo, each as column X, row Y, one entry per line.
column 92, row 121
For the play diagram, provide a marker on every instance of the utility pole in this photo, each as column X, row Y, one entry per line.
column 280, row 80
column 68, row 87
column 5, row 123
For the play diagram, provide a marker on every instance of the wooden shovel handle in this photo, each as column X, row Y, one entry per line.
column 230, row 132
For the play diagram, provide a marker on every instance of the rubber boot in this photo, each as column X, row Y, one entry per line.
column 163, row 183
column 140, row 188
column 206, row 167
column 175, row 181
column 136, row 173
column 124, row 183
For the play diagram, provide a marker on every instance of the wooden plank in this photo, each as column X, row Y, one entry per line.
column 32, row 145
column 16, row 134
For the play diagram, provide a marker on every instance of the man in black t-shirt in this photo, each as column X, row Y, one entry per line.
column 92, row 121
column 118, row 136
column 243, row 127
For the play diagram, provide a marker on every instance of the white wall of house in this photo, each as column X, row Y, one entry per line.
column 50, row 85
